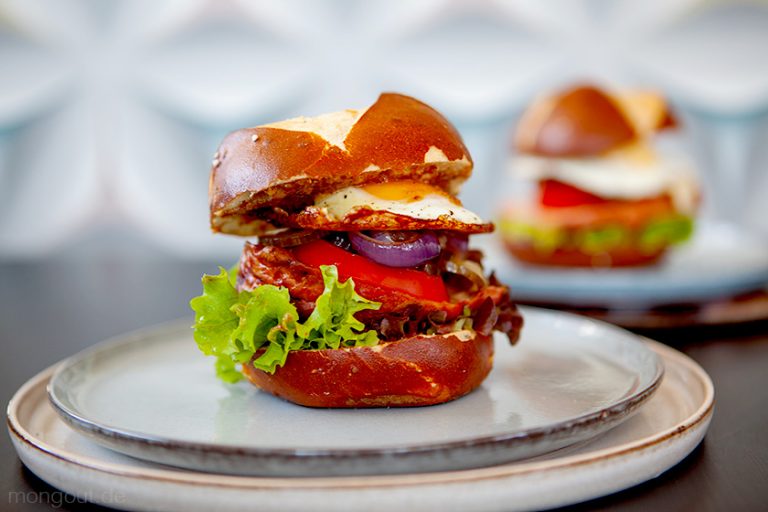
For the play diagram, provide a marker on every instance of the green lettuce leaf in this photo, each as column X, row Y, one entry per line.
column 266, row 317
column 232, row 272
column 668, row 231
column 598, row 240
column 595, row 240
column 544, row 238
column 333, row 323
column 226, row 369
column 234, row 325
column 214, row 318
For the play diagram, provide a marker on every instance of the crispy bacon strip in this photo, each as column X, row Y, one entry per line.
column 364, row 218
column 400, row 314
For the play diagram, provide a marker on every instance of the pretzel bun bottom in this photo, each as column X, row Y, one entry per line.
column 417, row 371
column 622, row 257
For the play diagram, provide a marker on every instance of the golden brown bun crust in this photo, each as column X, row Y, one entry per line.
column 397, row 137
column 668, row 121
column 586, row 121
column 582, row 121
column 623, row 257
column 423, row 370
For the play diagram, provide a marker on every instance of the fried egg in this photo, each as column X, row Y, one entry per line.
column 632, row 174
column 407, row 198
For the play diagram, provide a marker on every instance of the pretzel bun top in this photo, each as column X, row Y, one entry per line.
column 585, row 121
column 286, row 164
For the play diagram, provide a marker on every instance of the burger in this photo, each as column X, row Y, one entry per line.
column 600, row 189
column 358, row 287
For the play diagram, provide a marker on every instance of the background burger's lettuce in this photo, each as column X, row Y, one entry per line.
column 670, row 230
column 594, row 240
column 233, row 325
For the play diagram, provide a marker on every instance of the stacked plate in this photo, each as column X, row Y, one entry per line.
column 577, row 410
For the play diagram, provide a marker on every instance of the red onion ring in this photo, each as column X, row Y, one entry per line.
column 458, row 243
column 396, row 249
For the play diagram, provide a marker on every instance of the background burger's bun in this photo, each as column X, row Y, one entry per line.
column 586, row 121
column 422, row 370
column 622, row 257
column 648, row 111
column 287, row 164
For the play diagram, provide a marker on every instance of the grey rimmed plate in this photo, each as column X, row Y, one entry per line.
column 153, row 396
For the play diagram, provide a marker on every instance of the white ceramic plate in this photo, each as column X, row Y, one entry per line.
column 721, row 260
column 152, row 395
column 661, row 434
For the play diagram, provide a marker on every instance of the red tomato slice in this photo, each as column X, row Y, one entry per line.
column 413, row 282
column 556, row 193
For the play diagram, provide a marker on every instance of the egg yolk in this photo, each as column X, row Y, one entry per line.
column 645, row 109
column 638, row 154
column 406, row 191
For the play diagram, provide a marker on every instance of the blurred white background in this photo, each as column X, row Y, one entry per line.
column 110, row 111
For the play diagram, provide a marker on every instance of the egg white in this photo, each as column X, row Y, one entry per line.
column 344, row 201
column 617, row 177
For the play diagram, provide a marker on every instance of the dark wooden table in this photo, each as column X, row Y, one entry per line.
column 49, row 310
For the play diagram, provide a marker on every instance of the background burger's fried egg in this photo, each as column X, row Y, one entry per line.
column 407, row 198
column 625, row 175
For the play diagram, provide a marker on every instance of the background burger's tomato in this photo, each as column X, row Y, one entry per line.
column 566, row 206
column 413, row 282
column 557, row 193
